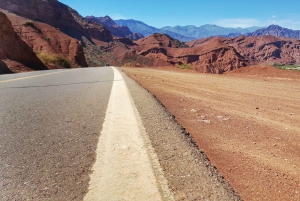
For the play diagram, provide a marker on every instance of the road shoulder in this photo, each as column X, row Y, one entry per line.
column 189, row 173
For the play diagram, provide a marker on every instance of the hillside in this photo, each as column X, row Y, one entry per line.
column 65, row 19
column 208, row 30
column 146, row 30
column 15, row 54
column 278, row 31
column 119, row 31
column 58, row 15
column 185, row 33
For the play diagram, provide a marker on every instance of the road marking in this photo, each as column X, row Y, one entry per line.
column 125, row 168
column 21, row 78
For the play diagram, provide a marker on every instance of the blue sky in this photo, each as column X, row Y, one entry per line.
column 226, row 13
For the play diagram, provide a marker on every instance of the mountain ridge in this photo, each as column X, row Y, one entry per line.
column 118, row 31
column 278, row 31
column 185, row 33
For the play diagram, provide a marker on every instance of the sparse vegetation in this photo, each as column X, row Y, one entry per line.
column 47, row 58
column 288, row 66
column 47, row 39
column 29, row 23
column 184, row 66
column 127, row 65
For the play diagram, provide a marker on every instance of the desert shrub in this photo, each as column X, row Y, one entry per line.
column 47, row 58
column 287, row 66
column 29, row 23
column 184, row 66
column 47, row 39
column 127, row 65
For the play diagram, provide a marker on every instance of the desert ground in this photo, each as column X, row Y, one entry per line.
column 246, row 121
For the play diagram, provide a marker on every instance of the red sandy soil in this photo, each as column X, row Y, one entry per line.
column 246, row 121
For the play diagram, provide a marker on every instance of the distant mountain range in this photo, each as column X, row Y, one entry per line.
column 185, row 33
column 278, row 31
column 146, row 30
column 119, row 31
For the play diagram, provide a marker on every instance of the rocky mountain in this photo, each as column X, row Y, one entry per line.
column 266, row 49
column 47, row 41
column 213, row 54
column 58, row 15
column 208, row 30
column 91, row 35
column 278, row 31
column 212, row 57
column 185, row 33
column 146, row 30
column 15, row 54
column 119, row 31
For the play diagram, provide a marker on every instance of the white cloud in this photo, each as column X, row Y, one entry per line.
column 117, row 16
column 291, row 23
column 273, row 16
column 238, row 22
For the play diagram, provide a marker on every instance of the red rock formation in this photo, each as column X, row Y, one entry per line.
column 3, row 68
column 213, row 56
column 58, row 15
column 12, row 48
column 45, row 39
column 267, row 49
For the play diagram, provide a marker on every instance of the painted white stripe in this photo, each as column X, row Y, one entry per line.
column 21, row 78
column 124, row 164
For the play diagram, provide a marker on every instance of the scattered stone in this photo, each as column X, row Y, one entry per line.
column 206, row 121
column 193, row 110
column 257, row 108
column 220, row 117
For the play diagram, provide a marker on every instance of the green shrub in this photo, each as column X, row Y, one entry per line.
column 184, row 66
column 127, row 64
column 47, row 58
column 47, row 39
column 29, row 23
column 287, row 66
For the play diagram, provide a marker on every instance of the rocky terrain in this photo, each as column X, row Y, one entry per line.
column 260, row 49
column 278, row 31
column 208, row 55
column 213, row 57
column 58, row 15
column 119, row 31
column 52, row 28
column 15, row 54
column 46, row 40
column 146, row 30
column 185, row 33
column 267, row 49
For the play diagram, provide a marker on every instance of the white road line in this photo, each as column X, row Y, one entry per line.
column 21, row 78
column 125, row 168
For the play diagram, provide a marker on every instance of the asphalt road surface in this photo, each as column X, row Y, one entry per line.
column 61, row 137
column 50, row 126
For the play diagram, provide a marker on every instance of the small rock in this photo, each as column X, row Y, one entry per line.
column 257, row 108
column 220, row 117
column 206, row 121
column 193, row 110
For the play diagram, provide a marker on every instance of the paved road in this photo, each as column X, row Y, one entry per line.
column 50, row 125
column 54, row 125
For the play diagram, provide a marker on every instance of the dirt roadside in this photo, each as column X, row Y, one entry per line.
column 188, row 171
column 247, row 122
